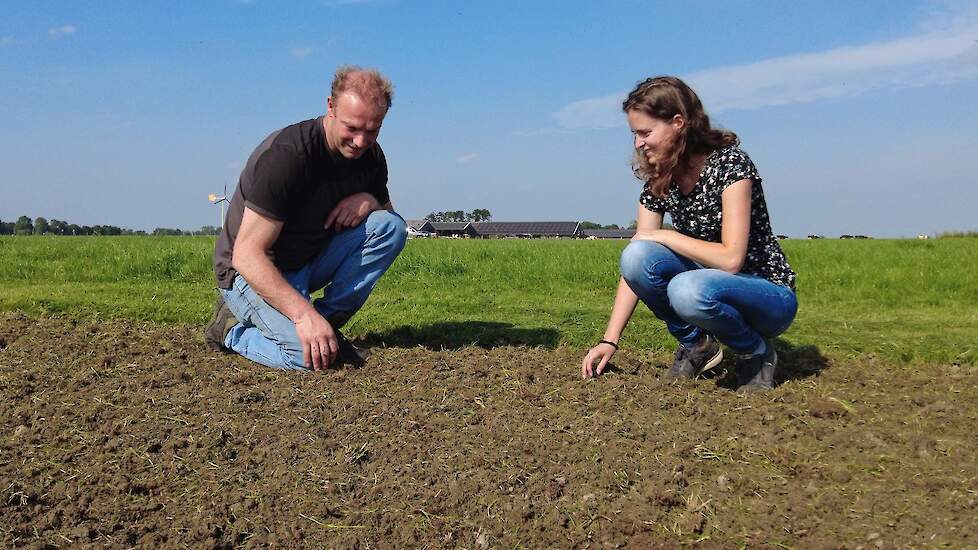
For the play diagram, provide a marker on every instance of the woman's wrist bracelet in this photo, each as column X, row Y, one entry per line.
column 612, row 344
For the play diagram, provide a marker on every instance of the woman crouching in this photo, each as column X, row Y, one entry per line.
column 720, row 275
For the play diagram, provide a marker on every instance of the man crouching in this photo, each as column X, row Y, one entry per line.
column 311, row 211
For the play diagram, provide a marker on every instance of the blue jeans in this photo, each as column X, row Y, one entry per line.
column 351, row 265
column 739, row 310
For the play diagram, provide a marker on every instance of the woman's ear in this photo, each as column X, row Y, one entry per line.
column 678, row 121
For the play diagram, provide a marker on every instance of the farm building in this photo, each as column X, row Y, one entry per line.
column 521, row 230
column 450, row 229
column 417, row 225
column 529, row 230
column 608, row 233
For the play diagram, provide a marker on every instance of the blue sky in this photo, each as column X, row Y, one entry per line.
column 861, row 116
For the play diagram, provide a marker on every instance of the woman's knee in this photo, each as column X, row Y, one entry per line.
column 639, row 262
column 690, row 295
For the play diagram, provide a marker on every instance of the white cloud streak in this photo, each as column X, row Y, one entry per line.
column 937, row 57
column 301, row 52
column 64, row 30
column 467, row 158
column 7, row 40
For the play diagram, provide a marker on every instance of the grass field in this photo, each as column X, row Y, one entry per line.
column 906, row 301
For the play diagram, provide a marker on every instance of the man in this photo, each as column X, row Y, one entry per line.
column 311, row 211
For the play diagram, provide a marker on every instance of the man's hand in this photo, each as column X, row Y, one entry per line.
column 319, row 345
column 351, row 211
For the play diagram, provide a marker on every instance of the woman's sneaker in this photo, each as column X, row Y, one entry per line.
column 756, row 372
column 693, row 361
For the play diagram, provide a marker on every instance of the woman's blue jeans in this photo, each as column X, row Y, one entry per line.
column 348, row 268
column 739, row 310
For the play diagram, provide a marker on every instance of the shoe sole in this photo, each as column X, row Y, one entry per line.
column 714, row 361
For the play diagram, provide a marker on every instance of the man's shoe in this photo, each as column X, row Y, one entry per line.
column 756, row 372
column 219, row 326
column 693, row 361
column 349, row 354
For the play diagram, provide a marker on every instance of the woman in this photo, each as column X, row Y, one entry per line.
column 720, row 275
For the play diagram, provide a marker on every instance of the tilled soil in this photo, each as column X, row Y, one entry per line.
column 128, row 435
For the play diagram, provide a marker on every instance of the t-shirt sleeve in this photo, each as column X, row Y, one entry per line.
column 269, row 191
column 378, row 187
column 651, row 202
column 735, row 165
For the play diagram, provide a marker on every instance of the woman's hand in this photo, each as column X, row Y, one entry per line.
column 601, row 353
column 660, row 236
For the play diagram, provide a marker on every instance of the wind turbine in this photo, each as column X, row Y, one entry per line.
column 215, row 199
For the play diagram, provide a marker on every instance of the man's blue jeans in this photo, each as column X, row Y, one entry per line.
column 351, row 265
column 739, row 310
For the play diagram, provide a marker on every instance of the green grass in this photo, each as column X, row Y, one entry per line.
column 908, row 301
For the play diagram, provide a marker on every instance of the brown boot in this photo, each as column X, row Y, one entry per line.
column 219, row 326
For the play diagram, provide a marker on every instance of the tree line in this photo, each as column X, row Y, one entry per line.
column 477, row 215
column 42, row 226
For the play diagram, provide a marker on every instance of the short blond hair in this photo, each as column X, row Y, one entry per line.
column 368, row 84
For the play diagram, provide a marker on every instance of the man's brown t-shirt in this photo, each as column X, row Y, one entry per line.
column 293, row 177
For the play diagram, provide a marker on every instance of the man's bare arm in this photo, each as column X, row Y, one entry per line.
column 255, row 238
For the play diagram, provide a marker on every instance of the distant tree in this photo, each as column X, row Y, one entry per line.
column 479, row 215
column 592, row 225
column 72, row 229
column 106, row 230
column 57, row 227
column 23, row 226
column 4, row 230
column 41, row 226
column 209, row 230
column 633, row 224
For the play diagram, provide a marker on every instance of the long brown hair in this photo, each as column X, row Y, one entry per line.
column 664, row 97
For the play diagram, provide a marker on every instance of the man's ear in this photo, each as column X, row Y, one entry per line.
column 329, row 106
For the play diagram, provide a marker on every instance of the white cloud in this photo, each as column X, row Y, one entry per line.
column 7, row 40
column 64, row 30
column 301, row 52
column 467, row 158
column 934, row 57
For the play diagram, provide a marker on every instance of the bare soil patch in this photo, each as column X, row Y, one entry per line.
column 121, row 434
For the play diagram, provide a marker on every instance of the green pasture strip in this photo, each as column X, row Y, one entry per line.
column 905, row 300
